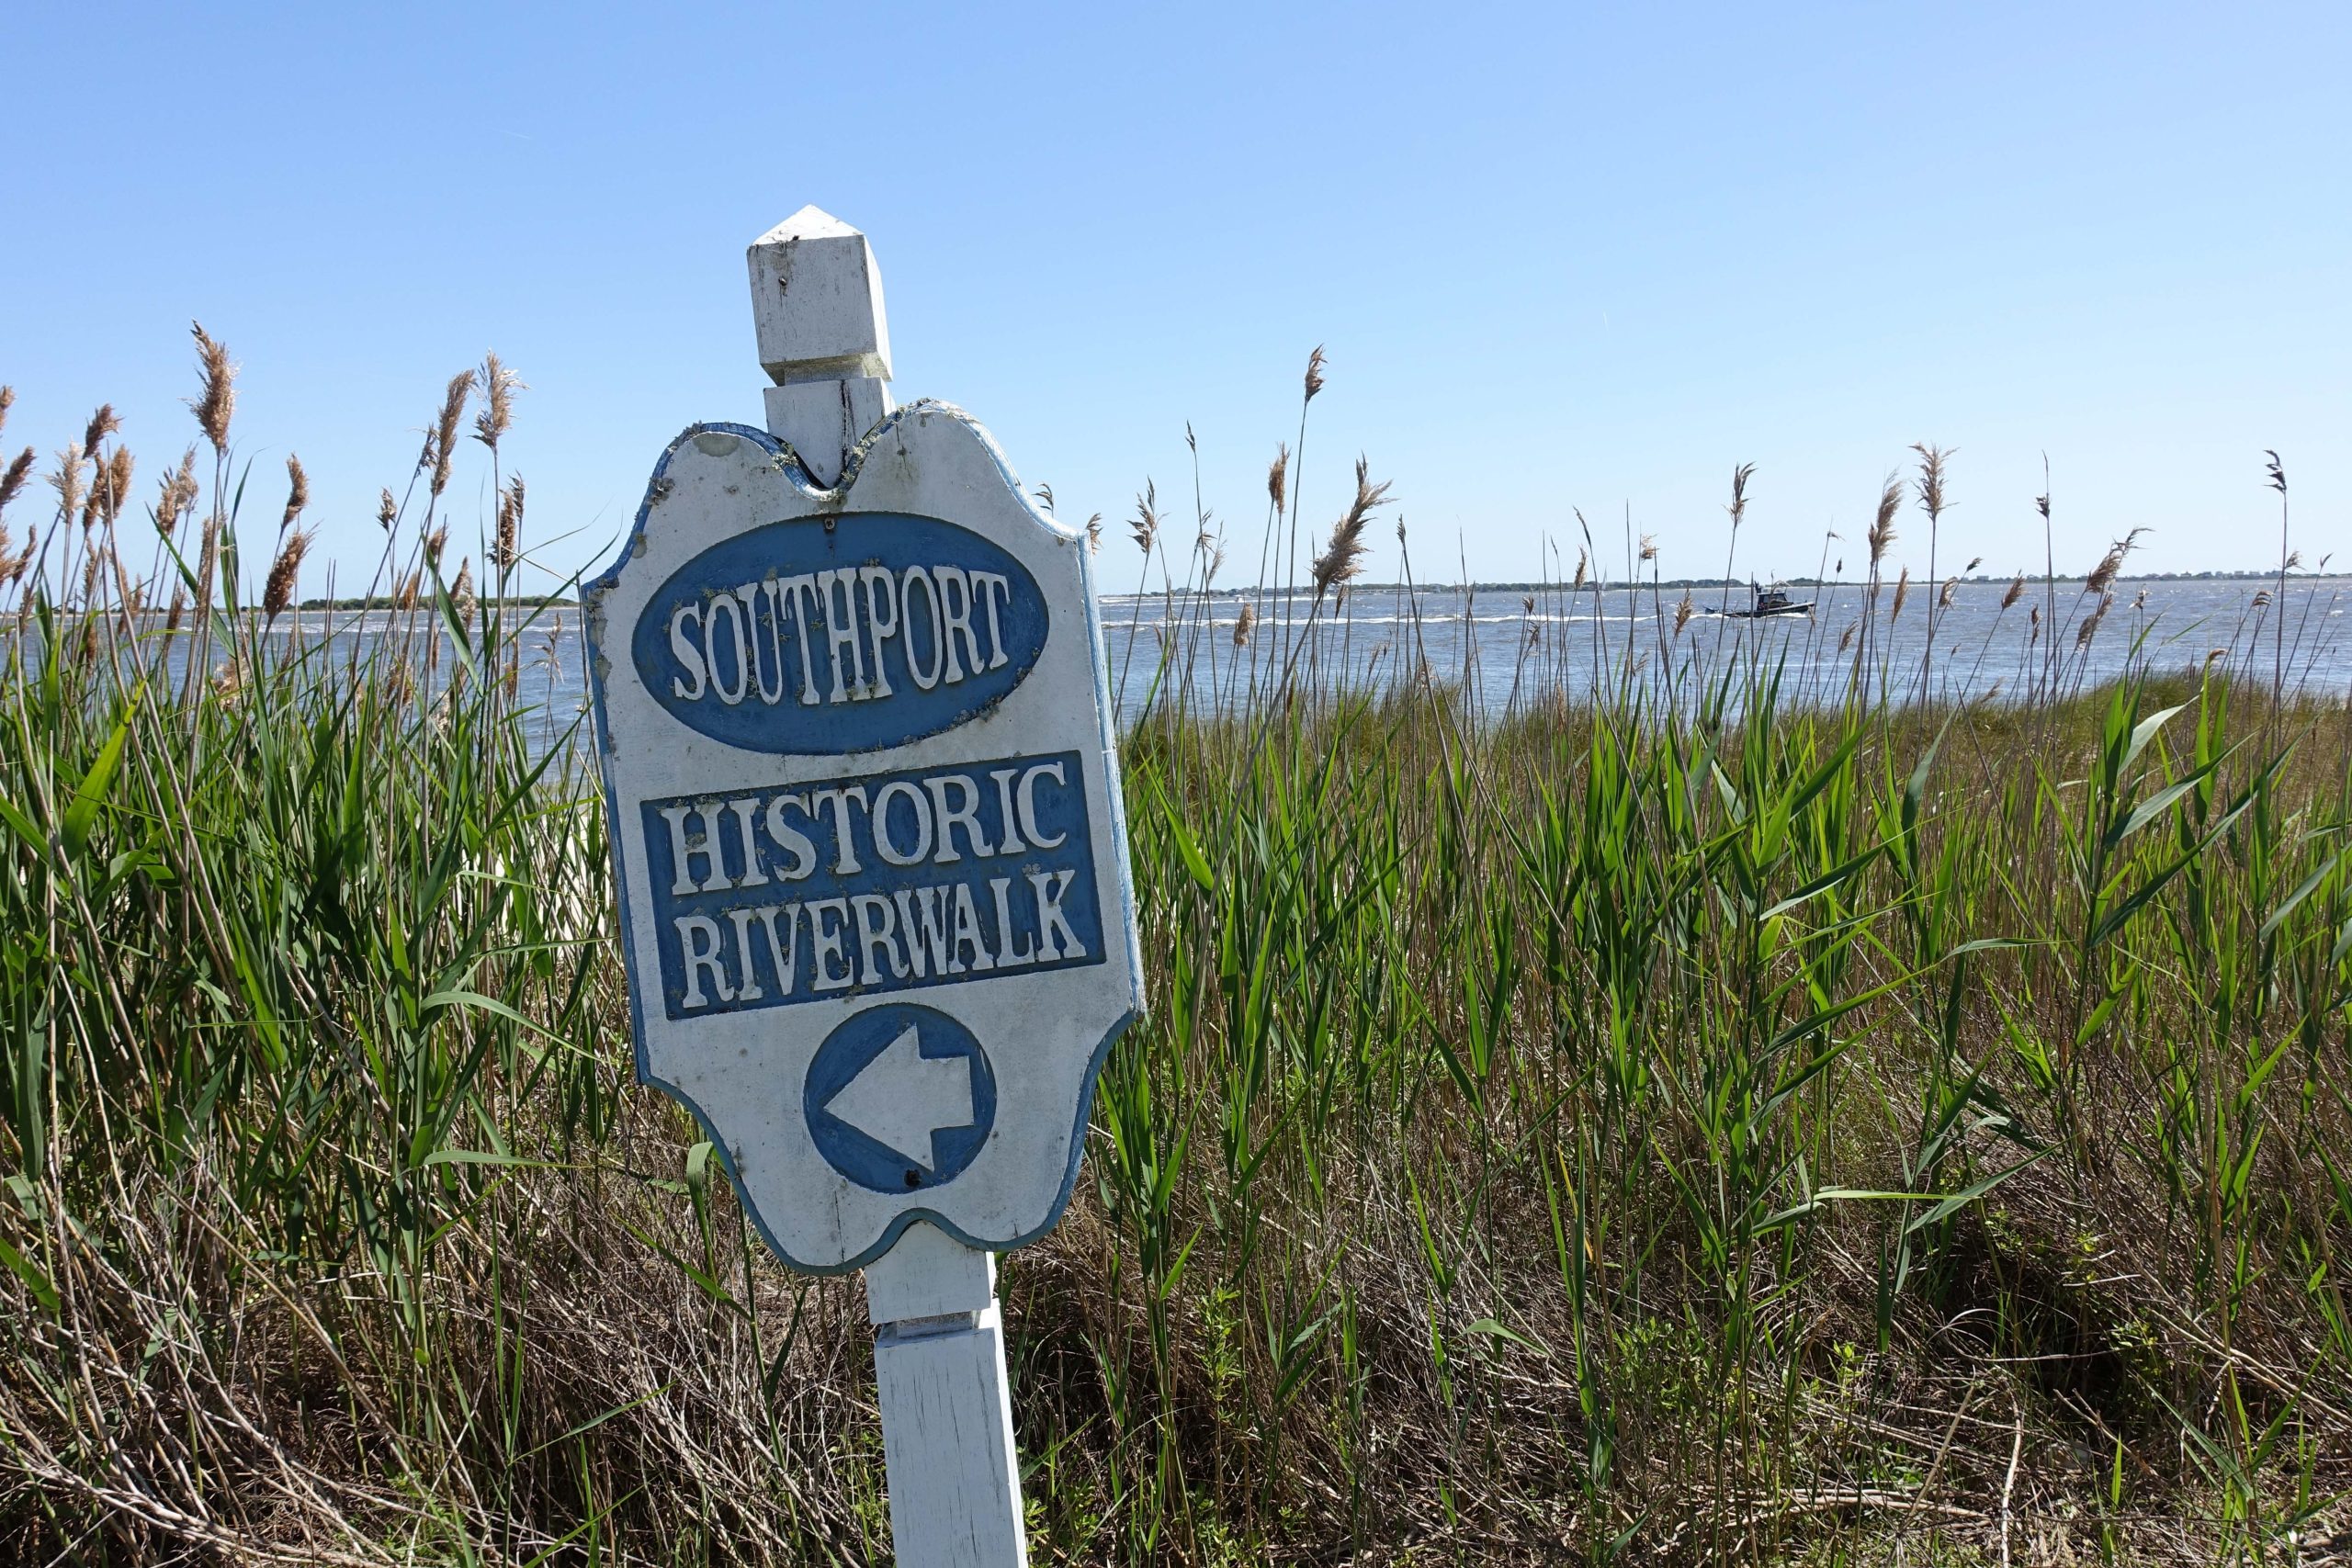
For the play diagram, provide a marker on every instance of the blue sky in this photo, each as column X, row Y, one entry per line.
column 1560, row 256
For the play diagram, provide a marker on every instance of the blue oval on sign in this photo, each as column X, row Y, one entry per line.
column 795, row 638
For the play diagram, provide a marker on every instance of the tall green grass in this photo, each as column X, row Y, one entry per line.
column 1672, row 1122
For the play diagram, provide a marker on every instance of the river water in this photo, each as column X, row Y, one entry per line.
column 1506, row 648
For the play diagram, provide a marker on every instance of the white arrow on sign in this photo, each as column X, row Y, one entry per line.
column 901, row 1096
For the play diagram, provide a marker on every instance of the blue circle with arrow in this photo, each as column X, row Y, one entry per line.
column 899, row 1098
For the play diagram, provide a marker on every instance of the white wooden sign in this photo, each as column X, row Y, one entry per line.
column 860, row 767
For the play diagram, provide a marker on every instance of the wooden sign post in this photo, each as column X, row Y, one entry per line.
column 863, row 789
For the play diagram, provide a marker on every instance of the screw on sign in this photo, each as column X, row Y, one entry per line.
column 859, row 762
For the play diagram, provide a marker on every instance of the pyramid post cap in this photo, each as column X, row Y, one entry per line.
column 817, row 301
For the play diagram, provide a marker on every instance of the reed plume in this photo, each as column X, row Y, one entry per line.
column 1883, row 534
column 66, row 480
column 2102, row 576
column 1243, row 625
column 440, row 443
column 1943, row 599
column 461, row 592
column 499, row 384
column 2016, row 591
column 433, row 543
column 1342, row 557
column 1278, row 477
column 388, row 511
column 1144, row 529
column 1314, row 373
column 7, row 401
column 297, row 494
column 175, row 496
column 1682, row 611
column 1582, row 564
column 115, row 484
column 103, row 423
column 507, row 549
column 216, row 400
column 404, row 597
column 2089, row 628
column 1902, row 592
column 1649, row 547
column 12, row 483
column 277, row 592
column 1932, row 459
column 1094, row 534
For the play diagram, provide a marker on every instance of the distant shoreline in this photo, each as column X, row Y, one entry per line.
column 1590, row 585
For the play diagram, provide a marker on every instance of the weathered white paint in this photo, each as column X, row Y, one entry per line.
column 824, row 335
column 1044, row 1030
column 1030, row 1037
column 928, row 1274
column 947, row 1440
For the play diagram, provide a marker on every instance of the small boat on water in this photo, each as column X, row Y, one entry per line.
column 1764, row 602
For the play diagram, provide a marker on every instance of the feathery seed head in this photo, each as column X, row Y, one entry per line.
column 1931, row 478
column 2089, row 628
column 1881, row 533
column 1682, row 611
column 2102, row 576
column 2277, row 470
column 1738, row 507
column 1342, row 558
column 1278, row 477
column 1649, row 547
column 1943, row 599
column 433, row 542
column 216, row 400
column 1243, row 625
column 7, row 401
column 508, row 549
column 388, row 511
column 461, row 592
column 114, row 483
column 12, row 482
column 499, row 386
column 2016, row 591
column 1902, row 592
column 298, row 494
column 175, row 496
column 103, row 423
column 1094, row 534
column 1314, row 373
column 66, row 480
column 1144, row 529
column 277, row 592
column 445, row 428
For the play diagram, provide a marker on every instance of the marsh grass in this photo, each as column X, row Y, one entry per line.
column 1669, row 1122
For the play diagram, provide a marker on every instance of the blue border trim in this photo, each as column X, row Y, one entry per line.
column 593, row 588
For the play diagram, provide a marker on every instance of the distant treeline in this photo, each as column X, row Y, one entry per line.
column 1592, row 584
